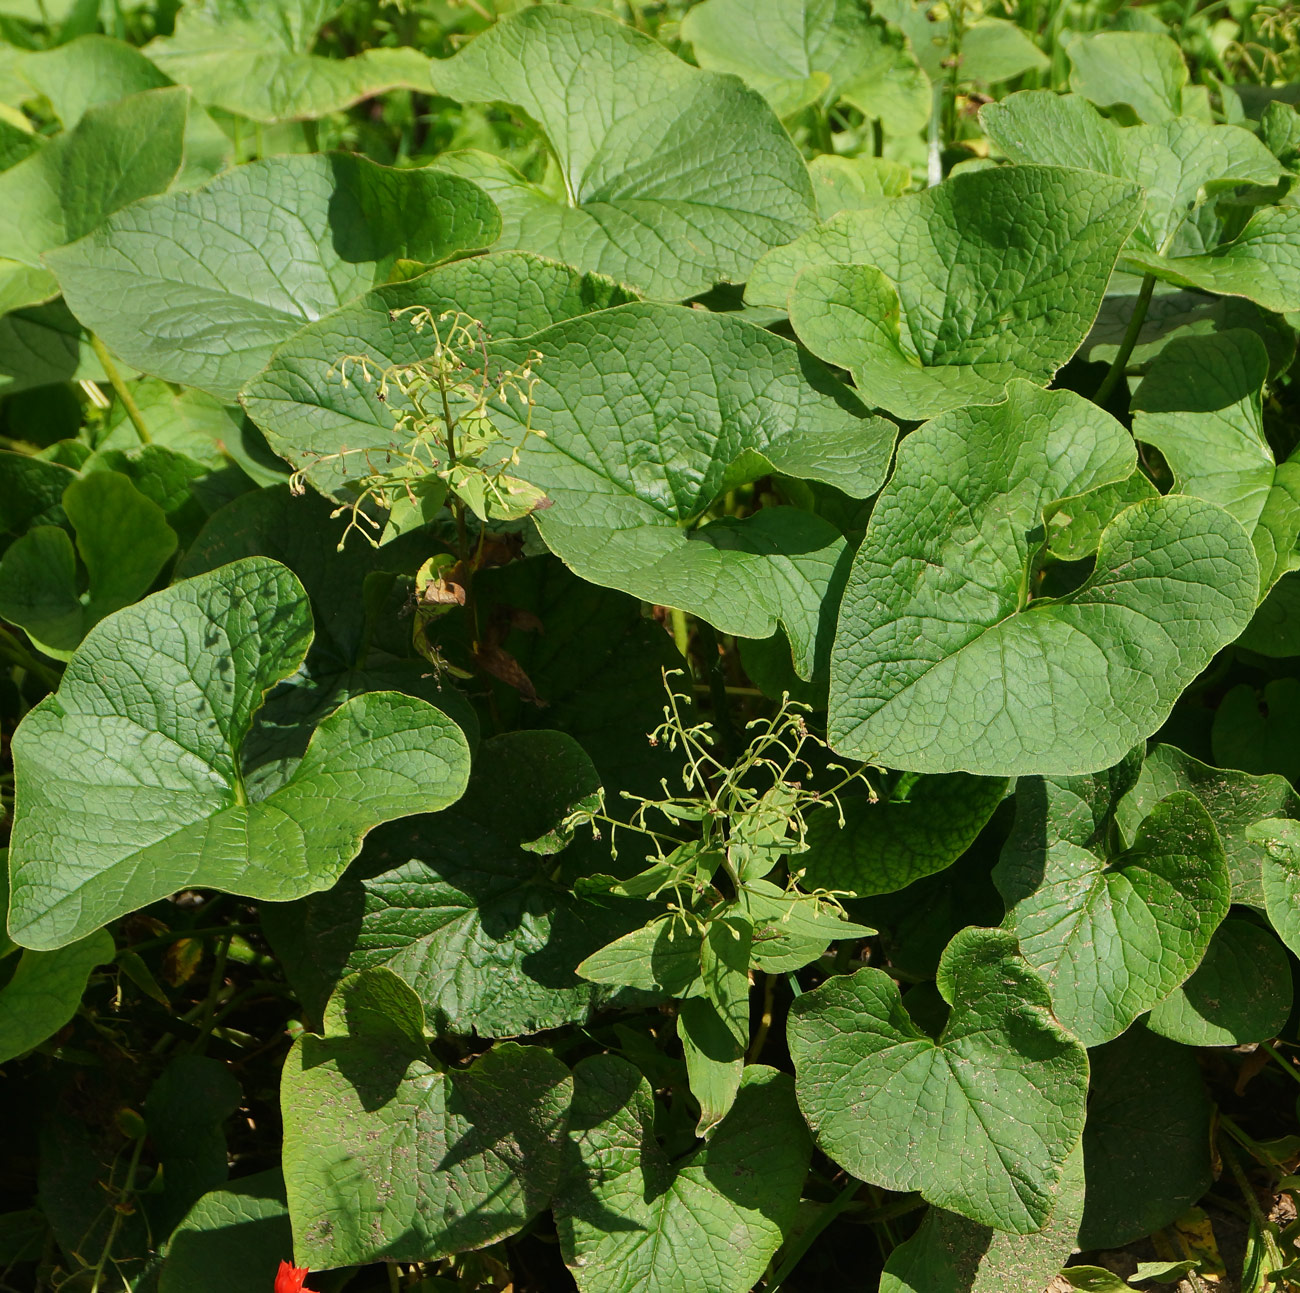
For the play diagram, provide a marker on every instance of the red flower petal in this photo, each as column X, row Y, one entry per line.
column 289, row 1279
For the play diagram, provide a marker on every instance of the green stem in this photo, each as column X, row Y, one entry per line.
column 178, row 935
column 127, row 1190
column 1131, row 334
column 934, row 162
column 209, row 1017
column 12, row 650
column 120, row 389
column 681, row 634
column 795, row 1251
column 311, row 136
column 1282, row 1061
column 765, row 1022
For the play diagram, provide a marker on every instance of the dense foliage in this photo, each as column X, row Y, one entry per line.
column 648, row 647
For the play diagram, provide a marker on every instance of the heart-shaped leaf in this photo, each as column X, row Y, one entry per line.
column 1177, row 162
column 924, row 827
column 945, row 661
column 466, row 907
column 123, row 541
column 43, row 990
column 200, row 287
column 1137, row 69
column 798, row 52
column 1235, row 801
column 1262, row 262
column 938, row 299
column 1112, row 931
column 674, row 179
column 1146, row 1148
column 1200, row 403
column 1240, row 993
column 982, row 1120
column 309, row 413
column 117, row 153
column 949, row 1254
column 231, row 1237
column 366, row 1099
column 631, row 1218
column 247, row 60
column 131, row 780
column 631, row 481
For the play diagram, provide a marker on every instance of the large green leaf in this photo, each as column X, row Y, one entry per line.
column 1146, row 1147
column 230, row 1238
column 1275, row 630
column 1177, row 162
column 1235, row 800
column 123, row 542
column 1200, row 403
column 938, row 299
column 631, row 1218
column 798, row 52
column 1241, row 992
column 390, row 1157
column 43, row 346
column 885, row 846
column 1140, row 70
column 673, row 178
column 982, row 1120
column 117, row 153
column 949, row 1254
column 45, row 988
column 1113, row 931
column 472, row 908
column 1262, row 262
column 945, row 661
column 131, row 781
column 200, row 287
column 631, row 475
column 1279, row 838
column 254, row 60
column 1254, row 730
column 307, row 412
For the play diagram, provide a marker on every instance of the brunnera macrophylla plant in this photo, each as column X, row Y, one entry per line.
column 648, row 649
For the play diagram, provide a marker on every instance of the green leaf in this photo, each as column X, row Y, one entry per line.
column 147, row 732
column 660, row 957
column 45, row 988
column 1137, row 69
column 1200, row 403
column 1146, row 1147
column 116, row 153
column 230, row 1238
column 1279, row 838
column 1255, row 730
column 792, row 929
column 388, row 1157
column 1094, row 1279
column 631, row 482
column 200, row 287
column 307, row 411
column 1177, row 162
column 1112, row 931
column 944, row 661
column 465, row 907
column 1241, row 992
column 673, row 178
column 1275, row 630
column 854, row 183
column 980, row 1121
column 1261, row 263
column 123, row 542
column 949, row 1254
column 245, row 59
column 938, row 299
column 630, row 1217
column 798, row 52
column 1234, row 800
column 886, row 846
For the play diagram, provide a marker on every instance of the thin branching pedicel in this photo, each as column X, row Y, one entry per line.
column 448, row 447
